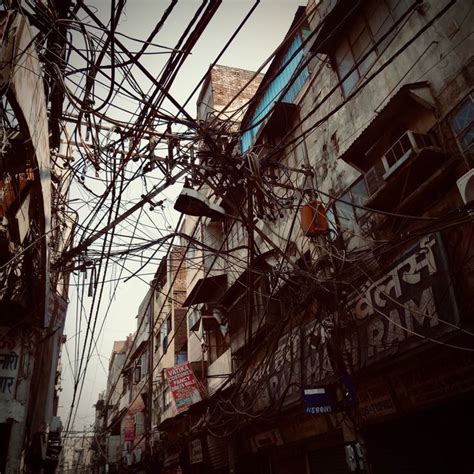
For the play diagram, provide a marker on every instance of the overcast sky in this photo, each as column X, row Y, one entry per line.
column 257, row 40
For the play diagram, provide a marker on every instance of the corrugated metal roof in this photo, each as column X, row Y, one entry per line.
column 273, row 90
column 271, row 87
column 416, row 92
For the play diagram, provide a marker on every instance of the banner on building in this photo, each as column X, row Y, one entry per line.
column 129, row 428
column 183, row 385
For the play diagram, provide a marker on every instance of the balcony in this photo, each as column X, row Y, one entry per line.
column 124, row 401
column 218, row 372
column 207, row 290
column 168, row 412
column 143, row 336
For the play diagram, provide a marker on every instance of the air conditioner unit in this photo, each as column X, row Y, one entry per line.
column 466, row 186
column 409, row 144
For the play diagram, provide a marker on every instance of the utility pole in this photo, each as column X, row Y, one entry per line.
column 149, row 411
column 351, row 425
column 251, row 258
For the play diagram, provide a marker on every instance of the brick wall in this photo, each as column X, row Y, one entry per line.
column 181, row 337
column 228, row 81
column 177, row 255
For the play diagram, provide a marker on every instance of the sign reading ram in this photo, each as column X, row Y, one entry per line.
column 411, row 302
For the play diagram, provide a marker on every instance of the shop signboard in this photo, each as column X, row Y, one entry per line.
column 183, row 385
column 265, row 439
column 440, row 375
column 409, row 302
column 412, row 300
column 375, row 400
column 319, row 400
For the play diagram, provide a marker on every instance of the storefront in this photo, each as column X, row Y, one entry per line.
column 419, row 415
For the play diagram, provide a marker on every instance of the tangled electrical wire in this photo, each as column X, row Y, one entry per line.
column 114, row 164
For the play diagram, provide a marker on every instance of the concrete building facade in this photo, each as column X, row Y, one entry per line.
column 34, row 229
column 329, row 255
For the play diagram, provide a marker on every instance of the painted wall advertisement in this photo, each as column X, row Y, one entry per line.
column 56, row 310
column 183, row 385
column 9, row 366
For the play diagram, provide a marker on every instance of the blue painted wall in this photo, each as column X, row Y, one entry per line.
column 273, row 91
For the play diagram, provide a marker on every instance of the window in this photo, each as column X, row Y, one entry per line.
column 127, row 379
column 166, row 400
column 193, row 317
column 191, row 254
column 397, row 151
column 144, row 363
column 139, row 419
column 462, row 123
column 138, row 370
column 236, row 234
column 353, row 221
column 364, row 38
column 180, row 357
column 164, row 331
column 346, row 212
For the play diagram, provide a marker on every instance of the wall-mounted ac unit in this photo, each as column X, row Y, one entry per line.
column 409, row 144
column 466, row 186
